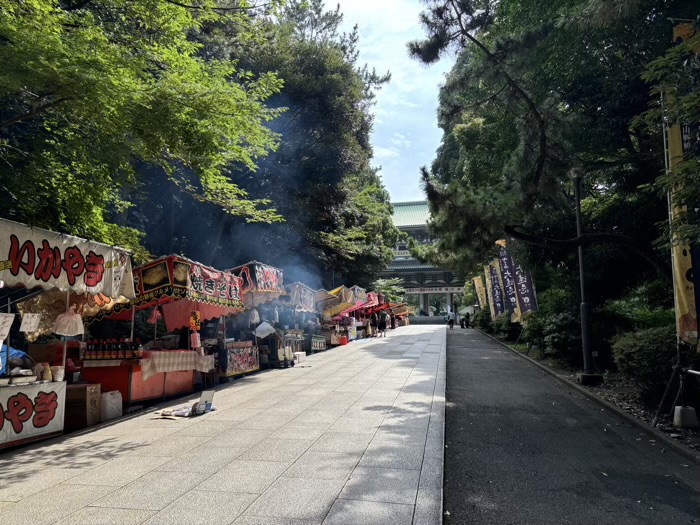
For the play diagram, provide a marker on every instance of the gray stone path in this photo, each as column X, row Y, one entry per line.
column 352, row 436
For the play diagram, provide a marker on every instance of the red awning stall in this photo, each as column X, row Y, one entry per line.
column 186, row 293
column 68, row 273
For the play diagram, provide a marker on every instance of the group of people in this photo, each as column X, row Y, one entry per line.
column 463, row 321
column 378, row 322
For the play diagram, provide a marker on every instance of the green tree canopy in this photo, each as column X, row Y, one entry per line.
column 92, row 90
column 539, row 89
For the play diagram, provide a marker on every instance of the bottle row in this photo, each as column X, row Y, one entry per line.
column 113, row 349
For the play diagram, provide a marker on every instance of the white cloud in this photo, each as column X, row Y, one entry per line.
column 400, row 140
column 385, row 153
column 405, row 109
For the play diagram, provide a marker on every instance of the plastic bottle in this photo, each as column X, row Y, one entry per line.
column 47, row 375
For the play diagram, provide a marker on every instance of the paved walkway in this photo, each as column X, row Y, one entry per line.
column 523, row 448
column 352, row 436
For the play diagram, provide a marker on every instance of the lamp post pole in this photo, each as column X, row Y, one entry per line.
column 585, row 307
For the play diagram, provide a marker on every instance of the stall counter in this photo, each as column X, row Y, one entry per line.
column 31, row 412
column 159, row 374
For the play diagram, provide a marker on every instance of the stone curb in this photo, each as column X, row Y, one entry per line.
column 657, row 434
column 429, row 498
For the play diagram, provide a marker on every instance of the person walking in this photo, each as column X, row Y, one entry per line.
column 373, row 320
column 383, row 316
column 466, row 320
column 451, row 320
column 392, row 317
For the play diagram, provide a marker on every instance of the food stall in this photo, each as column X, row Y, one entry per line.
column 338, row 332
column 186, row 293
column 74, row 269
column 360, row 311
column 302, row 300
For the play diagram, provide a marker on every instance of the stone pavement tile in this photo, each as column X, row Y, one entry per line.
column 257, row 520
column 119, row 472
column 388, row 455
column 308, row 499
column 316, row 464
column 207, row 428
column 147, row 435
column 171, row 446
column 353, row 512
column 382, row 484
column 20, row 485
column 275, row 449
column 153, row 491
column 203, row 508
column 317, row 416
column 367, row 410
column 346, row 442
column 235, row 414
column 201, row 459
column 408, row 418
column 266, row 422
column 105, row 516
column 401, row 434
column 51, row 504
column 239, row 438
column 244, row 476
column 367, row 423
column 299, row 431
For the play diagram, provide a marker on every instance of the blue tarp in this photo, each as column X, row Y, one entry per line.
column 14, row 354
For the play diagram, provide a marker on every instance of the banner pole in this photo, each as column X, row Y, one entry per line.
column 65, row 338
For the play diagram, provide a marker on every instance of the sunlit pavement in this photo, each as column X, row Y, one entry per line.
column 351, row 436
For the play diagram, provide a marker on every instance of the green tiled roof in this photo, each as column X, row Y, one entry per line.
column 411, row 213
column 409, row 264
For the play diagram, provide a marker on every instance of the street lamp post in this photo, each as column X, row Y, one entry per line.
column 589, row 376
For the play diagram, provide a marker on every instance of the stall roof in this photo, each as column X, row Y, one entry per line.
column 261, row 283
column 35, row 257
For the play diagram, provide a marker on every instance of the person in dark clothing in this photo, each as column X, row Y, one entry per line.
column 466, row 320
column 373, row 320
column 382, row 323
column 392, row 316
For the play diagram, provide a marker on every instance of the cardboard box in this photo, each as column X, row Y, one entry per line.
column 82, row 406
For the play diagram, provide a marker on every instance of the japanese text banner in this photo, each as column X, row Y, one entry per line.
column 32, row 257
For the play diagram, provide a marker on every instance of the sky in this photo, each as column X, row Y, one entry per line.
column 405, row 133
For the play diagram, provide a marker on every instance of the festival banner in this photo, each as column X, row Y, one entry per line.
column 480, row 291
column 507, row 273
column 32, row 257
column 525, row 290
column 494, row 286
column 680, row 140
column 489, row 296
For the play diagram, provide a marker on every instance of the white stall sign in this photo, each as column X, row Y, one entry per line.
column 30, row 323
column 6, row 321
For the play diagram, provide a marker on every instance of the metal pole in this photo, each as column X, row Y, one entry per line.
column 133, row 319
column 65, row 338
column 585, row 307
column 7, row 341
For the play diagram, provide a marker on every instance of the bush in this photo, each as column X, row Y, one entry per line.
column 647, row 358
column 533, row 330
column 504, row 329
column 482, row 320
column 562, row 338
